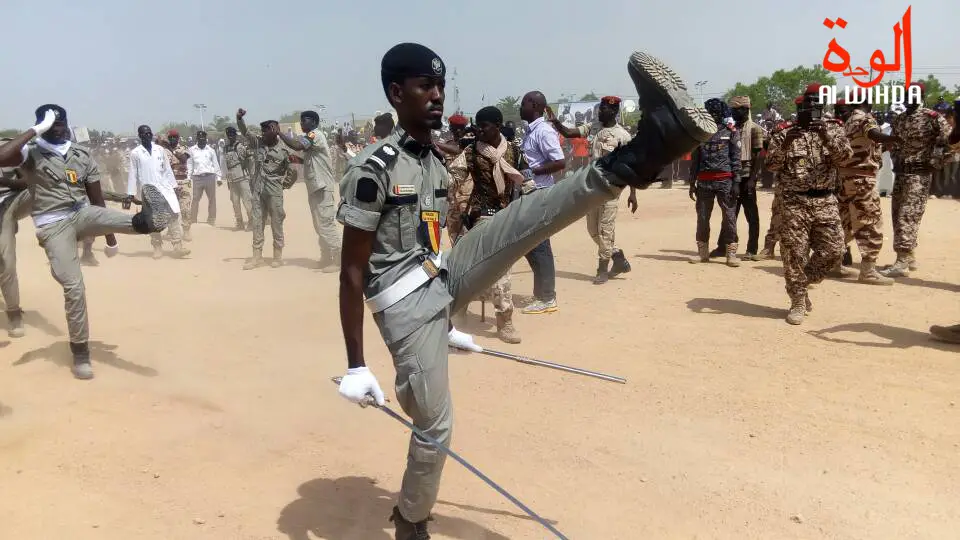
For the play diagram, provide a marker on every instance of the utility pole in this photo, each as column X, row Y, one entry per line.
column 456, row 92
column 700, row 85
column 201, row 107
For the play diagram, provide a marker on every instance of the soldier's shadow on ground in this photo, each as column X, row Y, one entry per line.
column 298, row 262
column 896, row 337
column 5, row 411
column 561, row 274
column 472, row 323
column 354, row 507
column 35, row 319
column 717, row 306
column 138, row 254
column 100, row 353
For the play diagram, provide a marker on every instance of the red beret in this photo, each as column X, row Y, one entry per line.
column 798, row 100
column 841, row 101
column 173, row 133
column 610, row 100
column 813, row 88
column 457, row 120
column 923, row 87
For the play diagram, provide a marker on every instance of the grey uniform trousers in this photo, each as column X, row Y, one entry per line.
column 59, row 240
column 324, row 213
column 240, row 194
column 264, row 205
column 12, row 210
column 473, row 265
column 204, row 184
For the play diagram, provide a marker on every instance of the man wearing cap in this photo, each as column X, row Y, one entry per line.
column 393, row 205
column 751, row 144
column 602, row 221
column 805, row 157
column 178, row 156
column 271, row 175
column 859, row 199
column 68, row 204
column 924, row 135
column 236, row 157
column 318, row 177
column 458, row 132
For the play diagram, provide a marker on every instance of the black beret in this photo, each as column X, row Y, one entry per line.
column 489, row 114
column 410, row 60
column 57, row 110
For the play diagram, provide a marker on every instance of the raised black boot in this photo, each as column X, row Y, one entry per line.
column 406, row 530
column 154, row 214
column 620, row 264
column 673, row 124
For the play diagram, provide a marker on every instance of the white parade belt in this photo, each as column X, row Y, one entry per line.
column 408, row 283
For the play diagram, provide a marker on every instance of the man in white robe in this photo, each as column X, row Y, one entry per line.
column 149, row 165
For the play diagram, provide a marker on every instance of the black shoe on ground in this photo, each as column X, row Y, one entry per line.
column 719, row 252
column 406, row 530
column 673, row 124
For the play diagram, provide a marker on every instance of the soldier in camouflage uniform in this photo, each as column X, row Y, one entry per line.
column 178, row 156
column 924, row 134
column 271, row 175
column 236, row 157
column 805, row 157
column 858, row 198
column 484, row 178
column 776, row 207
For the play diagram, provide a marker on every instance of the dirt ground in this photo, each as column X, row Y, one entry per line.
column 213, row 416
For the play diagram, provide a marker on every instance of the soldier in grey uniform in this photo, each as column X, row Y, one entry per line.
column 15, row 204
column 68, row 204
column 271, row 175
column 236, row 157
column 318, row 176
column 393, row 204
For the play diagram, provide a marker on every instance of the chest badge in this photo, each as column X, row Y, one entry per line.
column 430, row 229
column 72, row 176
column 404, row 189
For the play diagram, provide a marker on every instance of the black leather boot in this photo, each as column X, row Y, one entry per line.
column 406, row 530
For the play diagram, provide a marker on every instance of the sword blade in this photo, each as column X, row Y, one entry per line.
column 553, row 365
column 443, row 448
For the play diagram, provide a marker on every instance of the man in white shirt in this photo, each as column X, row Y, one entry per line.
column 203, row 167
column 149, row 165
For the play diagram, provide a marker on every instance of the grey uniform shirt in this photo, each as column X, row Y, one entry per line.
column 58, row 183
column 317, row 165
column 395, row 188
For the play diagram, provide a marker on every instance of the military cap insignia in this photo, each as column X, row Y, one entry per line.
column 437, row 66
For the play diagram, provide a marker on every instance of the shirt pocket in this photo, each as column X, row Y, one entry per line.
column 407, row 222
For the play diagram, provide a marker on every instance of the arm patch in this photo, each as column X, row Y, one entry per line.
column 383, row 157
column 367, row 190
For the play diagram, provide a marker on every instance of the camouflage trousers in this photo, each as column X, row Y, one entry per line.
column 776, row 215
column 184, row 193
column 861, row 215
column 601, row 225
column 267, row 205
column 909, row 202
column 809, row 224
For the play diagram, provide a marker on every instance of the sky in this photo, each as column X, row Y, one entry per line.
column 119, row 63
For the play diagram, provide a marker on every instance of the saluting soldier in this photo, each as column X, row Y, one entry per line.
column 393, row 204
column 64, row 180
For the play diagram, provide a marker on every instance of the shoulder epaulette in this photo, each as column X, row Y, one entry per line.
column 382, row 158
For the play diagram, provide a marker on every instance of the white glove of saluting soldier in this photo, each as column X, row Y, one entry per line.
column 44, row 126
column 463, row 341
column 359, row 383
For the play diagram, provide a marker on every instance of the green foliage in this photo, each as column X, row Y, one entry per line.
column 290, row 117
column 9, row 132
column 510, row 107
column 219, row 123
column 589, row 97
column 781, row 87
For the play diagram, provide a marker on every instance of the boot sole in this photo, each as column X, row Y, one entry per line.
column 646, row 71
column 157, row 207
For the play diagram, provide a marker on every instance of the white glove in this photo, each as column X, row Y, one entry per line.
column 528, row 186
column 359, row 383
column 110, row 251
column 463, row 341
column 44, row 126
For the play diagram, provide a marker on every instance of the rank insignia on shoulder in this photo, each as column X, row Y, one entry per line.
column 383, row 157
column 404, row 189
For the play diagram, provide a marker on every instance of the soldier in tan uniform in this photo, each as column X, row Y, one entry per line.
column 949, row 334
column 924, row 134
column 393, row 205
column 68, row 204
column 602, row 221
column 15, row 204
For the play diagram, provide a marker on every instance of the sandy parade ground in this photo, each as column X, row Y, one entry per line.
column 212, row 414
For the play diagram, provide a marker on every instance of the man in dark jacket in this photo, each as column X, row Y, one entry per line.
column 714, row 174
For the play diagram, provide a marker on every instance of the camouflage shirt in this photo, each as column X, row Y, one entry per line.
column 472, row 185
column 866, row 153
column 179, row 167
column 924, row 133
column 807, row 160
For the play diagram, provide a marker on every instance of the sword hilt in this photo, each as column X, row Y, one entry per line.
column 367, row 401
